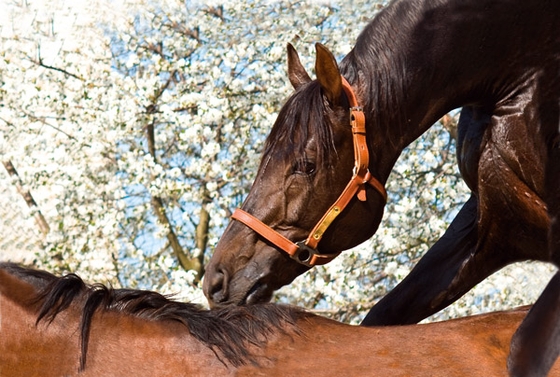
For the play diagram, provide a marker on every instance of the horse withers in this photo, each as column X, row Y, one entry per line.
column 53, row 326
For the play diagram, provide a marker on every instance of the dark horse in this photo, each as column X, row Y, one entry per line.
column 49, row 325
column 417, row 60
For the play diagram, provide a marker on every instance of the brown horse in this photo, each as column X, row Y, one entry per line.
column 319, row 191
column 54, row 326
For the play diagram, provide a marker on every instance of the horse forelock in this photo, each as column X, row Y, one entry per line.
column 302, row 119
column 229, row 332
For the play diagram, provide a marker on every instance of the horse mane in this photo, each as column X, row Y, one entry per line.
column 376, row 66
column 227, row 331
column 37, row 278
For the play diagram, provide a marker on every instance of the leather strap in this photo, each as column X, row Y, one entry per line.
column 264, row 230
column 297, row 251
column 361, row 175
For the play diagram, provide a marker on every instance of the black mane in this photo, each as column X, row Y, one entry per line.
column 376, row 66
column 228, row 331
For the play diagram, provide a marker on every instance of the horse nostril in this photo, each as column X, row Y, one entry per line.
column 217, row 289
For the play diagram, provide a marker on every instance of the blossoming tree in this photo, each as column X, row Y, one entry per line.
column 137, row 127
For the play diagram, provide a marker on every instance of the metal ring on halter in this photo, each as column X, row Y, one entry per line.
column 304, row 254
column 309, row 256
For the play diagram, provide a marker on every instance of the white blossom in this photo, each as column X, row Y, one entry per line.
column 84, row 82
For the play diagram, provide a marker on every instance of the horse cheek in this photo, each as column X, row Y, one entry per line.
column 296, row 199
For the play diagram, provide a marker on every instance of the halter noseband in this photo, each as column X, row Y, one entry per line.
column 305, row 252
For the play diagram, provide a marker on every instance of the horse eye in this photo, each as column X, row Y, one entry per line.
column 304, row 167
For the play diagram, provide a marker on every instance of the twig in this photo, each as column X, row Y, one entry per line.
column 26, row 194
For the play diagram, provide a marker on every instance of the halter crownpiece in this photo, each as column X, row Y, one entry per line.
column 305, row 252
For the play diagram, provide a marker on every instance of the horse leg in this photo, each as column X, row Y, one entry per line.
column 553, row 202
column 416, row 296
column 506, row 224
column 536, row 344
column 428, row 287
column 464, row 256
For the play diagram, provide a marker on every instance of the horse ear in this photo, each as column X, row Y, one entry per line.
column 328, row 74
column 296, row 73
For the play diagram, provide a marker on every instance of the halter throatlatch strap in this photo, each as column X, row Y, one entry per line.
column 305, row 252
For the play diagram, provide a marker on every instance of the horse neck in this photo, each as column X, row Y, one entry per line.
column 25, row 347
column 419, row 59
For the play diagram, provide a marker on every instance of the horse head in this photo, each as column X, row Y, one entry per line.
column 315, row 155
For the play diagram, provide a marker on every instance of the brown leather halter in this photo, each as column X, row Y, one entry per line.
column 305, row 252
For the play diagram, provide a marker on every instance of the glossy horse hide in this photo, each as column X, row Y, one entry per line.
column 62, row 327
column 416, row 60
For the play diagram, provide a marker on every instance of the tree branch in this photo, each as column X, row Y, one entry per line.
column 201, row 236
column 40, row 63
column 26, row 194
column 186, row 261
column 182, row 257
column 450, row 124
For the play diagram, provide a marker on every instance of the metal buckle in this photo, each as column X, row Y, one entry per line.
column 304, row 254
